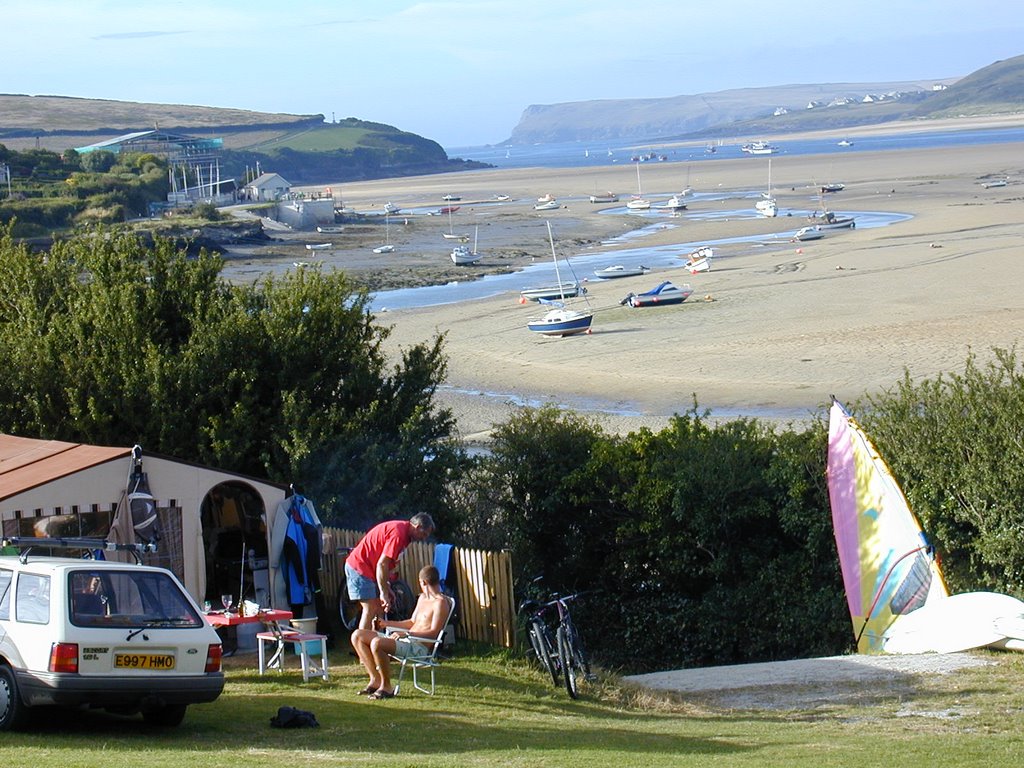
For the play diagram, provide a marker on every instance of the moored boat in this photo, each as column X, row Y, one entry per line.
column 317, row 246
column 699, row 260
column 829, row 220
column 561, row 320
column 619, row 270
column 808, row 233
column 758, row 148
column 662, row 295
column 550, row 205
column 607, row 197
column 551, row 292
column 826, row 188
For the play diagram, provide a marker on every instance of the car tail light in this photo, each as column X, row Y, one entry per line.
column 213, row 654
column 64, row 657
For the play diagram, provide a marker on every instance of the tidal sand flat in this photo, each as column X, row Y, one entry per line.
column 775, row 327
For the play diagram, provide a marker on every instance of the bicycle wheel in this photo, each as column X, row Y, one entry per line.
column 349, row 610
column 541, row 642
column 565, row 652
column 576, row 647
column 405, row 601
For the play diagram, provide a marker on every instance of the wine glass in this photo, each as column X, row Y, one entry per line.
column 227, row 601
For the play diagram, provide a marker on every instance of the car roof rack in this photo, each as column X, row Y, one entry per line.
column 89, row 544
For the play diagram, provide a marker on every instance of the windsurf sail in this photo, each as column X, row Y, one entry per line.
column 889, row 568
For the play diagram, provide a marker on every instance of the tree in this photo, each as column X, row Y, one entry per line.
column 106, row 341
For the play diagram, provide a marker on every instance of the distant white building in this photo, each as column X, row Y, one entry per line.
column 267, row 187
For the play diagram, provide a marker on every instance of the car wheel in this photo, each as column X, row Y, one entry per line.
column 13, row 712
column 165, row 717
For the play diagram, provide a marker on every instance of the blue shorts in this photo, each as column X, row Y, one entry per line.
column 360, row 587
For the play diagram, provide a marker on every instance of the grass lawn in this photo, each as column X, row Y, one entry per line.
column 491, row 709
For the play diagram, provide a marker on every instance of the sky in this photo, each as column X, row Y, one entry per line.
column 462, row 72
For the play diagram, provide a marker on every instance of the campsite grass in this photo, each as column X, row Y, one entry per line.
column 491, row 709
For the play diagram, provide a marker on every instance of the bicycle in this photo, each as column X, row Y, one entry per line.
column 563, row 655
column 350, row 610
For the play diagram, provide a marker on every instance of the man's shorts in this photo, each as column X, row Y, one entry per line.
column 404, row 648
column 359, row 587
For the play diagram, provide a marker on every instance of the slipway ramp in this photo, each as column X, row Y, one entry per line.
column 803, row 683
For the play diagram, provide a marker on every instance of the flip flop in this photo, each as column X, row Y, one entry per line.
column 380, row 694
column 367, row 691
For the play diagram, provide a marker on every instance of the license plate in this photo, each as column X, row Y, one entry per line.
column 156, row 661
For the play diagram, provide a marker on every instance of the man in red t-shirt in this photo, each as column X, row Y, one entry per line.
column 369, row 565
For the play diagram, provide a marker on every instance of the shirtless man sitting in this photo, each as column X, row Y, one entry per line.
column 401, row 638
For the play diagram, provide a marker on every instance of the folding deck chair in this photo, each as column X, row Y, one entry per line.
column 427, row 660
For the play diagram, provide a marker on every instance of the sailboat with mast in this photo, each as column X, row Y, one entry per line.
column 767, row 206
column 637, row 202
column 561, row 320
column 450, row 234
column 461, row 255
column 387, row 247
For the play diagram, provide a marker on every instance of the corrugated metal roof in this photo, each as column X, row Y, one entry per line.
column 26, row 463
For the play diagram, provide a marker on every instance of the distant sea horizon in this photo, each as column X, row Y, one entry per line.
column 582, row 154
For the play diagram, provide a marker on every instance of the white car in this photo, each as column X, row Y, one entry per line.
column 101, row 634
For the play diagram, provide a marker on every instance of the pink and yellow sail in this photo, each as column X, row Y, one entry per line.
column 888, row 567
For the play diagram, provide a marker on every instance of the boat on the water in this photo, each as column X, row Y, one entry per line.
column 829, row 220
column 561, row 320
column 808, row 233
column 619, row 270
column 845, row 143
column 662, row 295
column 758, row 148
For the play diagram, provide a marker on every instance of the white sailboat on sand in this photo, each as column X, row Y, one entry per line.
column 637, row 202
column 560, row 320
column 387, row 247
column 461, row 254
column 767, row 206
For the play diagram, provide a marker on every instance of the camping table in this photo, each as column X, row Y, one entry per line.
column 271, row 617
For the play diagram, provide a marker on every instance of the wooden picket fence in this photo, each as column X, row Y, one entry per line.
column 486, row 605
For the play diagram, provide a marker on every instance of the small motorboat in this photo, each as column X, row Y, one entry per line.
column 808, row 233
column 664, row 294
column 550, row 205
column 388, row 248
column 390, row 208
column 618, row 270
column 699, row 260
column 449, row 198
column 317, row 246
column 607, row 197
column 830, row 220
column 331, row 230
column 826, row 188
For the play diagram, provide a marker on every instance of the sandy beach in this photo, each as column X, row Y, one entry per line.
column 772, row 330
